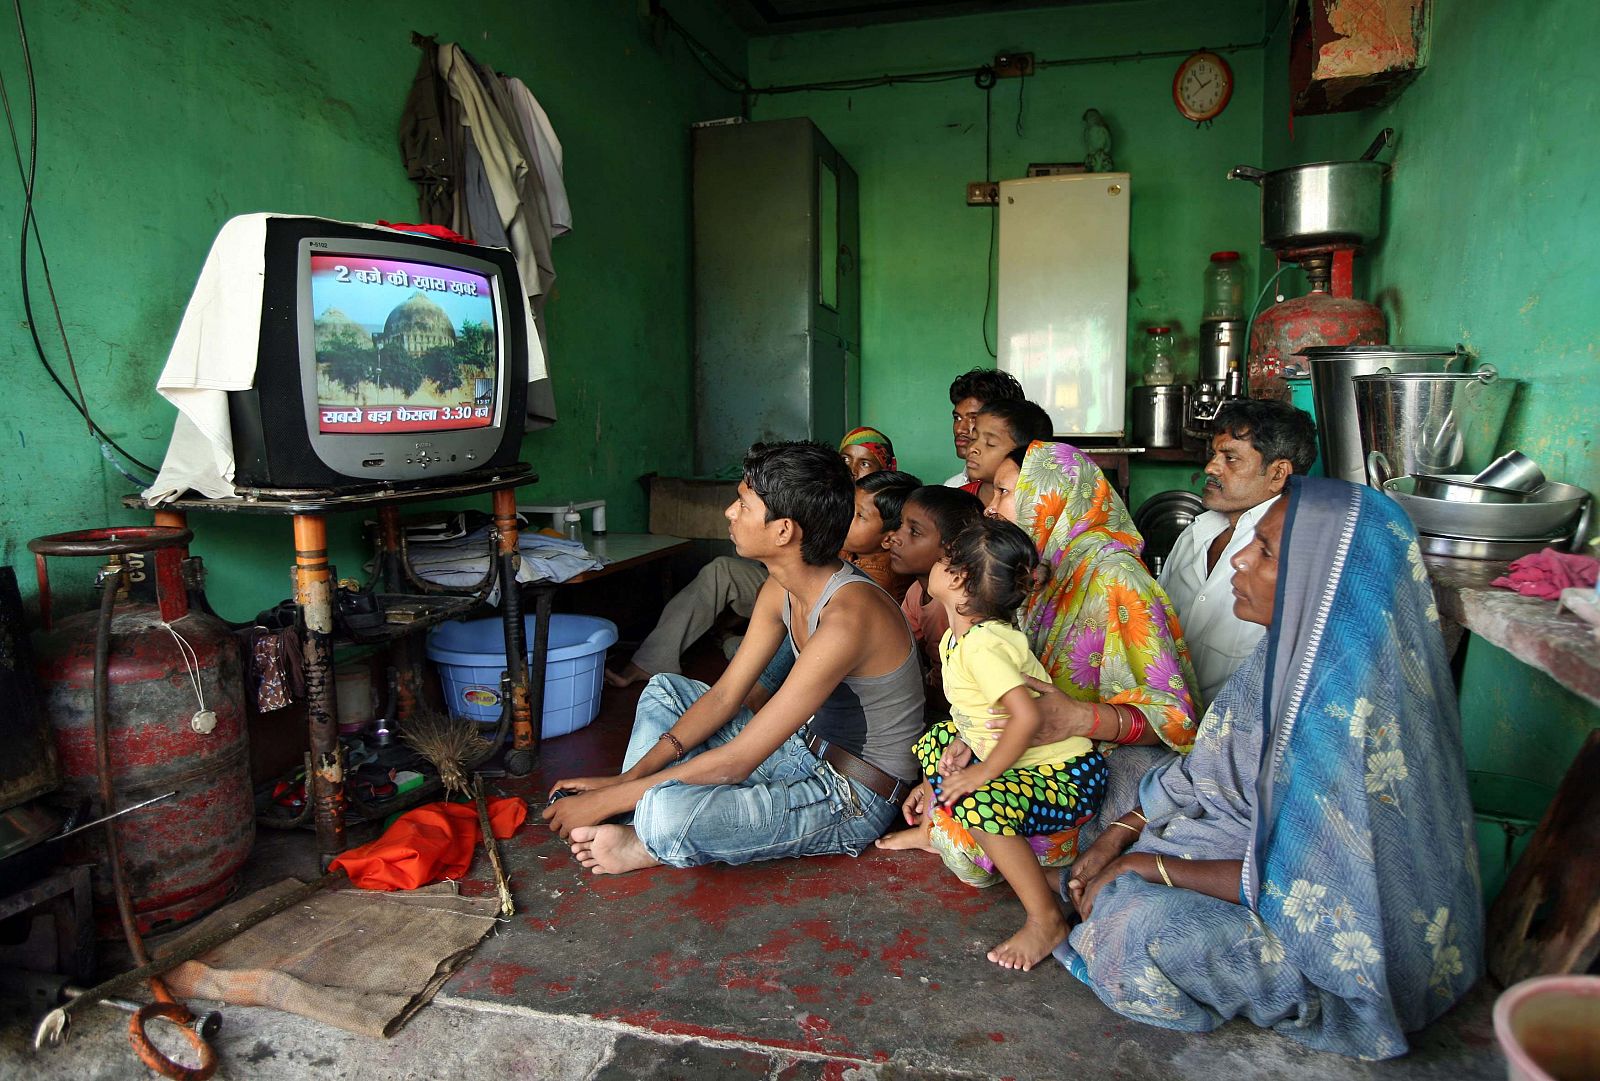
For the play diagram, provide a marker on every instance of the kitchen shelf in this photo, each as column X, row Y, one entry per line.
column 1534, row 631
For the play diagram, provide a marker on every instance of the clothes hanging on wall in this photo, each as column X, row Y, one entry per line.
column 541, row 138
column 488, row 165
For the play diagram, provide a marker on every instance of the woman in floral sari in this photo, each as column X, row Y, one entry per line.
column 1102, row 628
column 1310, row 864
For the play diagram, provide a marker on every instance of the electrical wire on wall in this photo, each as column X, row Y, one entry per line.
column 985, row 80
column 28, row 172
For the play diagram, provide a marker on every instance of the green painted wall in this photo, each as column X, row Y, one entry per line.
column 157, row 122
column 925, row 254
column 1490, row 226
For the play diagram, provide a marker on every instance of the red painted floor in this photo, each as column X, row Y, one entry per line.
column 821, row 968
column 874, row 960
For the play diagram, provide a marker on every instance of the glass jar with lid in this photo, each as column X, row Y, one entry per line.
column 1158, row 348
column 1224, row 287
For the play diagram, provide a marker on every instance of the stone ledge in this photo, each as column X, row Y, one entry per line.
column 1534, row 631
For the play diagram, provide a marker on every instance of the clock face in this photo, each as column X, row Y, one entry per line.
column 1202, row 86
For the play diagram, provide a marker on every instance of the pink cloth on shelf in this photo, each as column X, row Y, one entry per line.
column 1545, row 574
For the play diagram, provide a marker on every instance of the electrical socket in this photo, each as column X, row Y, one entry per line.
column 983, row 193
column 1013, row 65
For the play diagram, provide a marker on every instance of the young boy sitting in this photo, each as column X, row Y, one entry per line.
column 879, row 498
column 1003, row 425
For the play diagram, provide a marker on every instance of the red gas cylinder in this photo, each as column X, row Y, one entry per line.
column 182, row 855
column 1328, row 315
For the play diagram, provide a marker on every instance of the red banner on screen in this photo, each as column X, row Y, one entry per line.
column 404, row 418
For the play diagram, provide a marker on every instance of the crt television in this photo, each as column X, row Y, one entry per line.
column 383, row 357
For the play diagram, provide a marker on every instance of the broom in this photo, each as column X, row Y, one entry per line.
column 449, row 743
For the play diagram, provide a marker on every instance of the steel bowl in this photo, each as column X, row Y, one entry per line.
column 1550, row 512
column 1431, row 486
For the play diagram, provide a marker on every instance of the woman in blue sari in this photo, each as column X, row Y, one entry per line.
column 1310, row 865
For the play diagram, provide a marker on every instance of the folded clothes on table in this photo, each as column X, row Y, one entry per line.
column 460, row 563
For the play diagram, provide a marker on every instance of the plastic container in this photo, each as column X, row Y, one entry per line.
column 1506, row 810
column 1549, row 1028
column 1158, row 370
column 1224, row 287
column 471, row 656
column 352, row 690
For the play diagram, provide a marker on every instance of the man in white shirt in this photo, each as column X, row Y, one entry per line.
column 971, row 391
column 1257, row 445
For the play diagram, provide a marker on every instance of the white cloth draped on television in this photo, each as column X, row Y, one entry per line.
column 214, row 352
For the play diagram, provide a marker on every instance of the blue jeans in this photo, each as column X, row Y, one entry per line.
column 793, row 804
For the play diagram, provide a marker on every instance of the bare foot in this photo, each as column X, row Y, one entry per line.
column 915, row 839
column 611, row 850
column 630, row 674
column 1036, row 941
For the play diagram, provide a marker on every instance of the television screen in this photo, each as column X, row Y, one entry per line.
column 383, row 358
column 402, row 345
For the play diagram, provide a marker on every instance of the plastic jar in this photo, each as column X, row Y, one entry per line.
column 1224, row 287
column 1158, row 370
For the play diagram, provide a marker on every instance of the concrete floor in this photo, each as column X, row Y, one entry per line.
column 823, row 968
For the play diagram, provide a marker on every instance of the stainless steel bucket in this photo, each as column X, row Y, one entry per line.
column 1430, row 423
column 1332, row 369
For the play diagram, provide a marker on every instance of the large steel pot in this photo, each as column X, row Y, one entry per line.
column 1430, row 422
column 1326, row 202
column 1333, row 367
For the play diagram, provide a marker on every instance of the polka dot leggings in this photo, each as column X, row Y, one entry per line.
column 1023, row 801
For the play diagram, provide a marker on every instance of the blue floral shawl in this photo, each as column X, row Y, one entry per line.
column 1331, row 766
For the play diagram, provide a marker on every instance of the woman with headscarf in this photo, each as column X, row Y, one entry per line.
column 866, row 450
column 1101, row 627
column 1310, row 864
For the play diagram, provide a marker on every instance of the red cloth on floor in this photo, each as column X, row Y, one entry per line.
column 440, row 231
column 427, row 844
column 1545, row 574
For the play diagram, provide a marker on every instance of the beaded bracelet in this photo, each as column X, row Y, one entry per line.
column 676, row 743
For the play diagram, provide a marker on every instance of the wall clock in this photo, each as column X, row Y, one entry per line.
column 1202, row 86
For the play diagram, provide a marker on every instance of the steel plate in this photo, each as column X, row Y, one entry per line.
column 1472, row 548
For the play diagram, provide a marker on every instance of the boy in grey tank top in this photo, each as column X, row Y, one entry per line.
column 822, row 768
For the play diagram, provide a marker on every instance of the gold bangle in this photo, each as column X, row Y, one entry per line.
column 1127, row 827
column 1162, row 867
column 1140, row 813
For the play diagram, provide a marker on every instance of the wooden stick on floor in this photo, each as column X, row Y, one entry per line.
column 502, row 884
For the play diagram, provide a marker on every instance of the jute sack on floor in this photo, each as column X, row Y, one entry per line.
column 357, row 959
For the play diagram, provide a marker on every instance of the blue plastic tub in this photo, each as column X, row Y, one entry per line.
column 471, row 655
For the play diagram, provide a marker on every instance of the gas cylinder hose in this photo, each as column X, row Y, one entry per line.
column 1264, row 290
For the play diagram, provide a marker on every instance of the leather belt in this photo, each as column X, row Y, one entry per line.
column 886, row 785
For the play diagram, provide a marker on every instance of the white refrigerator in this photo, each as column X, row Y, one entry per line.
column 1063, row 296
